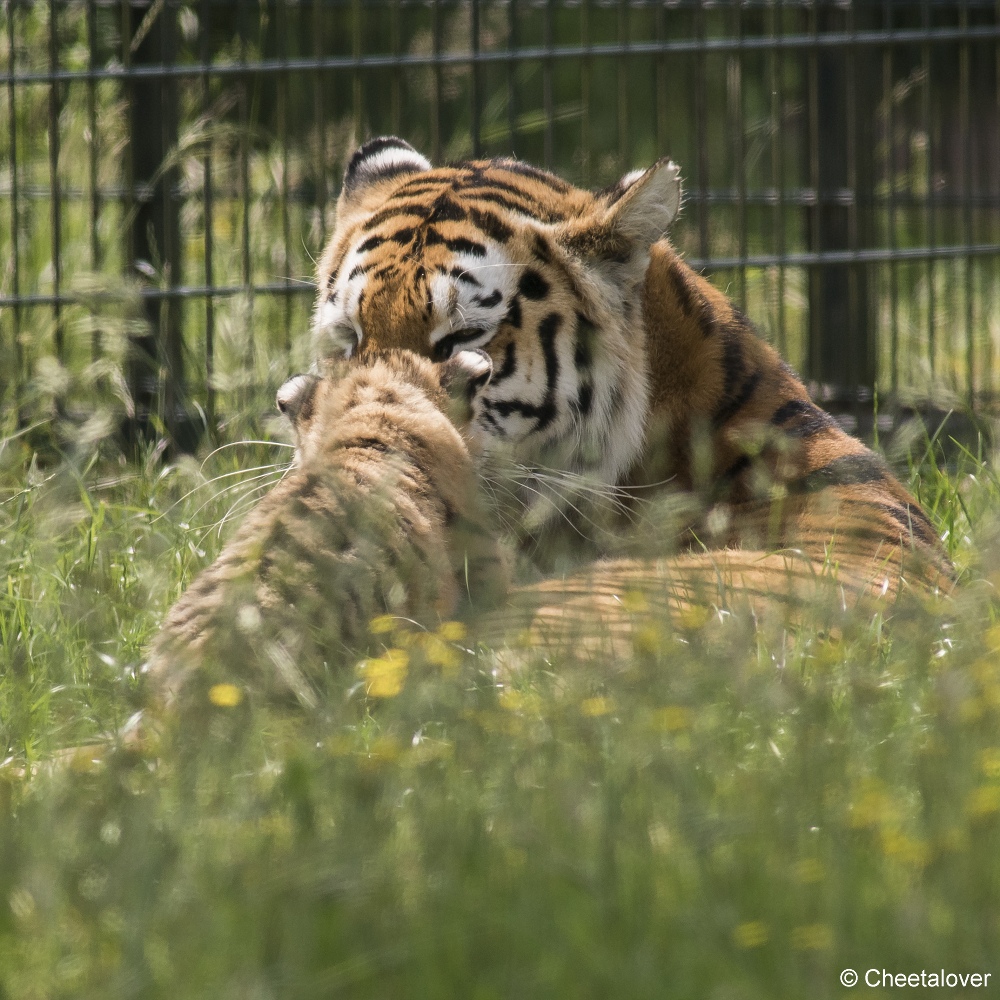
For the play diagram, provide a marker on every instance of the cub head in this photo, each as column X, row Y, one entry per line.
column 396, row 386
column 498, row 255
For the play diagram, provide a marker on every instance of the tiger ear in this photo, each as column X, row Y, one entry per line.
column 630, row 217
column 294, row 398
column 379, row 160
column 643, row 204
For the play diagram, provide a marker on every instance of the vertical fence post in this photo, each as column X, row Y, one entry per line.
column 841, row 351
column 155, row 371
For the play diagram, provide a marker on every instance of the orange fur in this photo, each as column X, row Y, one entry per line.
column 615, row 362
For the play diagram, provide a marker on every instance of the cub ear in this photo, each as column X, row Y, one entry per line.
column 376, row 161
column 294, row 398
column 465, row 373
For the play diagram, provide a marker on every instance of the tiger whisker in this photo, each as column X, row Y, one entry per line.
column 507, row 524
column 608, row 496
column 558, row 509
column 235, row 444
column 208, row 482
column 247, row 498
column 239, row 505
column 235, row 486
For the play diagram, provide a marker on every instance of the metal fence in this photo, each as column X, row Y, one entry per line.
column 168, row 172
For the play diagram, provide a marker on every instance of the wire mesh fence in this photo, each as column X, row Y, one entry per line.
column 168, row 172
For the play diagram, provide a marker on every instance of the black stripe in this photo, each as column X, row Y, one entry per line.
column 488, row 302
column 395, row 208
column 526, row 170
column 371, row 243
column 810, row 419
column 488, row 418
column 688, row 299
column 445, row 347
column 458, row 244
column 421, row 275
column 520, row 207
column 849, row 470
column 425, row 183
column 533, row 209
column 547, row 331
column 509, row 362
column 532, row 285
column 446, row 210
column 403, row 236
column 541, row 249
column 490, row 223
column 368, row 443
column 513, row 317
column 738, row 386
column 460, row 274
column 909, row 517
column 359, row 270
column 586, row 332
column 544, row 413
column 585, row 398
column 736, row 469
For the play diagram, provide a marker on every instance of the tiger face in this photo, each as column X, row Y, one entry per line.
column 498, row 255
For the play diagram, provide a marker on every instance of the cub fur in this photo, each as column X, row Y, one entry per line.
column 377, row 515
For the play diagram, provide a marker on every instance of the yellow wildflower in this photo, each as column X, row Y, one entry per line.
column 382, row 624
column 225, row 695
column 385, row 675
column 984, row 800
column 452, row 631
column 989, row 761
column 672, row 717
column 752, row 934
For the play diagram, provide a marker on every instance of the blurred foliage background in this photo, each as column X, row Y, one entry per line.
column 168, row 173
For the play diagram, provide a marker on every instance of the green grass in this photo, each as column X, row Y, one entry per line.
column 740, row 810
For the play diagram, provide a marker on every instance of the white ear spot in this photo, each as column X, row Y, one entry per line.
column 294, row 393
column 630, row 178
column 378, row 160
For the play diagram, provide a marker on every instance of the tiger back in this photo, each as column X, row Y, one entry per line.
column 615, row 363
column 378, row 515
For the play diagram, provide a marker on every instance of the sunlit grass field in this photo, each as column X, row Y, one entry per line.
column 739, row 808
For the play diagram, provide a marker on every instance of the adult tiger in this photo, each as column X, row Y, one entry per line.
column 614, row 361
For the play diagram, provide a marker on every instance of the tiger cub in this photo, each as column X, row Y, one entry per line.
column 617, row 366
column 378, row 514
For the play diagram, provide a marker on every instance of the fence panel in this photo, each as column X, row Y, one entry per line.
column 168, row 173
